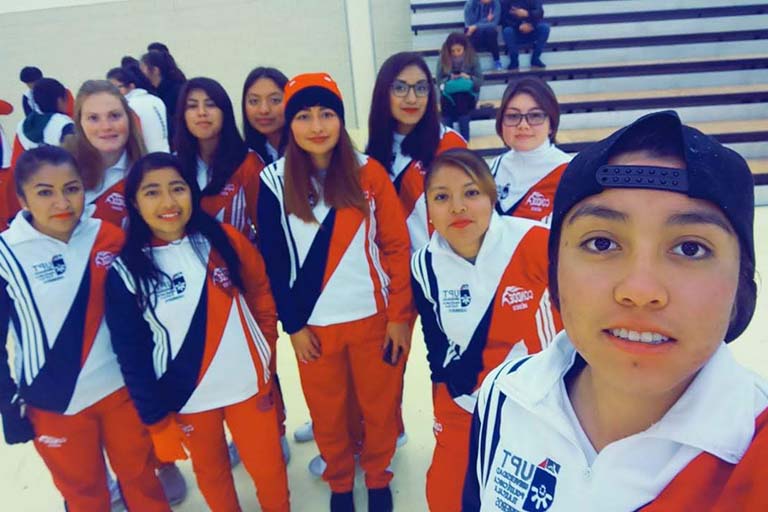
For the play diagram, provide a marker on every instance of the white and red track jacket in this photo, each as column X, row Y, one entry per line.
column 152, row 118
column 408, row 177
column 528, row 451
column 235, row 203
column 52, row 301
column 477, row 315
column 527, row 181
column 202, row 344
column 38, row 129
column 345, row 266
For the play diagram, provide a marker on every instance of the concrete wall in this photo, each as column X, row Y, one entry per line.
column 222, row 39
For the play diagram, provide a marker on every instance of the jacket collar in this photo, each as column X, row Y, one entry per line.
column 722, row 393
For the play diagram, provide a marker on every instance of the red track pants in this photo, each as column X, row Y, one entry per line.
column 351, row 365
column 253, row 424
column 445, row 477
column 71, row 447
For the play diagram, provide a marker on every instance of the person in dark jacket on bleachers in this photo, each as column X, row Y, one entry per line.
column 481, row 22
column 522, row 23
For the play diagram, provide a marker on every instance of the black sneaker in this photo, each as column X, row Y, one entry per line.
column 537, row 63
column 380, row 500
column 513, row 65
column 342, row 502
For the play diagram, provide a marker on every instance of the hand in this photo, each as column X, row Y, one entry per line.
column 169, row 440
column 399, row 334
column 471, row 30
column 464, row 75
column 526, row 28
column 490, row 15
column 520, row 13
column 306, row 345
column 17, row 428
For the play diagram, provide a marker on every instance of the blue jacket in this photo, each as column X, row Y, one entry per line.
column 476, row 13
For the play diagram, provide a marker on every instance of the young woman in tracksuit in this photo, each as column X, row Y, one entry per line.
column 405, row 134
column 336, row 247
column 638, row 404
column 107, row 142
column 480, row 286
column 193, row 324
column 527, row 175
column 213, row 153
column 69, row 395
column 45, row 125
column 263, row 112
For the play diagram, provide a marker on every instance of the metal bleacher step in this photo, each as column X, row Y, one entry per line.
column 421, row 5
column 453, row 19
column 652, row 99
column 636, row 41
column 596, row 34
column 660, row 52
column 642, row 68
column 573, row 140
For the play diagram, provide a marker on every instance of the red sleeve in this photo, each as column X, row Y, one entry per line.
column 258, row 294
column 393, row 241
column 451, row 140
column 251, row 180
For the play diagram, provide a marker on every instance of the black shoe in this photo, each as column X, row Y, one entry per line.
column 342, row 502
column 380, row 500
column 513, row 65
column 536, row 63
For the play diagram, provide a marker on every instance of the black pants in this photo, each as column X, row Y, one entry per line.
column 458, row 111
column 486, row 39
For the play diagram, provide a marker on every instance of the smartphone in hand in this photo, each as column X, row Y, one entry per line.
column 387, row 356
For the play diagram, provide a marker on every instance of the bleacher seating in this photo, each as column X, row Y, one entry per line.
column 610, row 61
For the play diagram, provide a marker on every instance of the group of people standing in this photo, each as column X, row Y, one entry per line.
column 143, row 290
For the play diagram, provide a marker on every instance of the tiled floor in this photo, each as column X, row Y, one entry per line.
column 26, row 486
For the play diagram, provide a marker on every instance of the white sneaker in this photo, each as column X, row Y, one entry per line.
column 174, row 485
column 234, row 455
column 115, row 496
column 286, row 449
column 402, row 439
column 304, row 433
column 317, row 466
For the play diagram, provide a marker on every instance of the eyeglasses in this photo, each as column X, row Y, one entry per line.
column 401, row 89
column 533, row 118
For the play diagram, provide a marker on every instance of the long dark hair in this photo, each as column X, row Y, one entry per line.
column 341, row 187
column 421, row 144
column 231, row 150
column 165, row 62
column 456, row 38
column 137, row 251
column 254, row 138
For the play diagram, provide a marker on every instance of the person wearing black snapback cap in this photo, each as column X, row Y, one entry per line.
column 638, row 404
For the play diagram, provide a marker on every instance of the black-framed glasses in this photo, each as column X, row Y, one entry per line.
column 533, row 118
column 401, row 89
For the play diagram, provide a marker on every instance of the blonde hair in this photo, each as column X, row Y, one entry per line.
column 88, row 158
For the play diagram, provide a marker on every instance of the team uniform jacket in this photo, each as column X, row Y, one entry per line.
column 152, row 117
column 5, row 150
column 52, row 300
column 235, row 204
column 57, row 126
column 342, row 268
column 203, row 344
column 527, row 451
column 475, row 316
column 408, row 177
column 108, row 201
column 527, row 181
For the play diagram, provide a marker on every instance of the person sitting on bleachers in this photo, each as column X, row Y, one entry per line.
column 459, row 78
column 481, row 22
column 521, row 22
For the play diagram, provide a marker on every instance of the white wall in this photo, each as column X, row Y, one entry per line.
column 222, row 39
